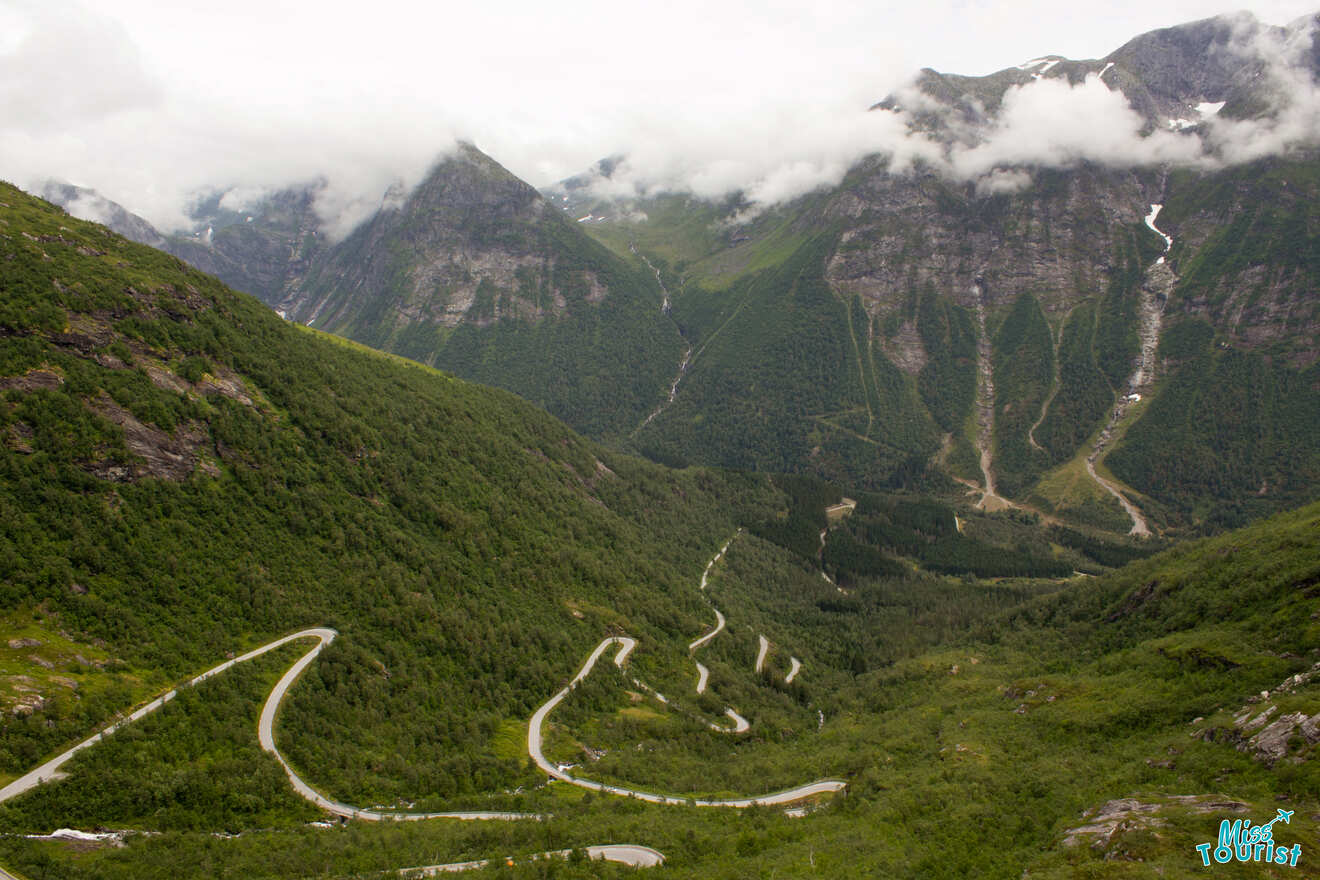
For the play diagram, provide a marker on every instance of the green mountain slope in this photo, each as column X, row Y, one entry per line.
column 1232, row 433
column 856, row 332
column 920, row 253
column 788, row 381
column 1247, row 254
column 1103, row 730
column 184, row 473
column 1068, row 277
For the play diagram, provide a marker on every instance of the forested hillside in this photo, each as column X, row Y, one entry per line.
column 186, row 476
column 956, row 306
column 783, row 378
column 852, row 353
column 1234, row 431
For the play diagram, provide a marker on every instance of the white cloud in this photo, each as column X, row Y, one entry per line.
column 768, row 157
column 785, row 152
column 81, row 104
column 149, row 103
column 244, row 197
column 1288, row 82
column 91, row 208
column 68, row 68
column 1050, row 122
column 1003, row 180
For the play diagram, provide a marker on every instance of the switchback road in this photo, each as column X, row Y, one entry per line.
column 626, row 646
column 624, row 853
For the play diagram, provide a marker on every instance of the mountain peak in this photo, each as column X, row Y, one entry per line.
column 88, row 204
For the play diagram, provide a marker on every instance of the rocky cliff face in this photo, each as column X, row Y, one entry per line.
column 1047, row 317
column 1175, row 77
column 1057, row 239
column 1034, row 329
column 88, row 204
column 472, row 244
column 265, row 251
column 1239, row 262
column 1247, row 248
column 1166, row 74
column 475, row 272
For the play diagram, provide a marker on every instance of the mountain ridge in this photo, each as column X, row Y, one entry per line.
column 470, row 549
column 889, row 376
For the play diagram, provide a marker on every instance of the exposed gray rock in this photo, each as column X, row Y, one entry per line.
column 1104, row 823
column 35, row 380
column 1271, row 744
column 266, row 251
column 1311, row 729
column 480, row 246
column 88, row 204
column 169, row 456
column 227, row 384
column 1259, row 720
column 1111, row 818
column 1056, row 239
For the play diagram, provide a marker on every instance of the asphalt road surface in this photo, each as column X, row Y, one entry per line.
column 626, row 645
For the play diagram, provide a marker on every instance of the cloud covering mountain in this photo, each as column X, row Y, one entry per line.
column 152, row 107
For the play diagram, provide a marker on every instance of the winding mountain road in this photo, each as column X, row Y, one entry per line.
column 763, row 648
column 626, row 646
column 265, row 735
column 50, row 770
column 703, row 674
column 623, row 853
column 637, row 856
column 719, row 625
column 795, row 666
column 705, row 575
column 740, row 724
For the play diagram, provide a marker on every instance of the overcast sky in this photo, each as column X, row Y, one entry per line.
column 148, row 101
